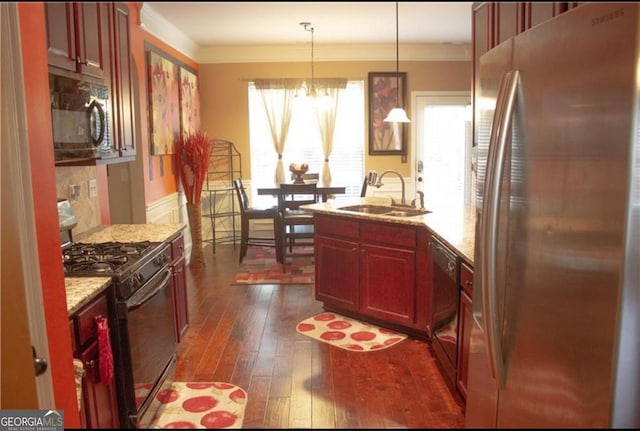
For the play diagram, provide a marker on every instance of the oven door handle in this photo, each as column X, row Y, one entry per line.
column 149, row 296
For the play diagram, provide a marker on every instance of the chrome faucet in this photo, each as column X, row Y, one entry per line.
column 421, row 197
column 376, row 181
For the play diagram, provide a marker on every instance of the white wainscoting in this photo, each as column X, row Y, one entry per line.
column 172, row 209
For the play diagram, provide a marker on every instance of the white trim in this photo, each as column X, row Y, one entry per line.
column 20, row 190
column 158, row 26
column 336, row 52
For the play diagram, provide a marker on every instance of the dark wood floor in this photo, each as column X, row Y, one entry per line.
column 246, row 335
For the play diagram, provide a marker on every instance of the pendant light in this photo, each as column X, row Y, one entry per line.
column 397, row 114
column 312, row 90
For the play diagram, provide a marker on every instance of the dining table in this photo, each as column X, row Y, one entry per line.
column 323, row 189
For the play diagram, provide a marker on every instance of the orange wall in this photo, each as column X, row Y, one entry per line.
column 33, row 39
column 224, row 97
column 159, row 185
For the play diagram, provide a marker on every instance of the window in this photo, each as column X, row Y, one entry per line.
column 303, row 142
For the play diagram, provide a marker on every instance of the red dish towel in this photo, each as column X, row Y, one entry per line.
column 104, row 349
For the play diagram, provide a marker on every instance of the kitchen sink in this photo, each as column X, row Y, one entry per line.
column 369, row 209
column 407, row 212
column 386, row 210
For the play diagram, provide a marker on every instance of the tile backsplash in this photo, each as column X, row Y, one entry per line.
column 85, row 208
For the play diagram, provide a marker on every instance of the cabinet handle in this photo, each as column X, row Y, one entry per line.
column 86, row 62
column 468, row 283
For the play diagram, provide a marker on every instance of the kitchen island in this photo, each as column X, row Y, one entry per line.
column 386, row 269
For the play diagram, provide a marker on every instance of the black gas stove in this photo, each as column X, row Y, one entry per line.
column 130, row 264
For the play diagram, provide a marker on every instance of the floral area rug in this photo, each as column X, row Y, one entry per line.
column 259, row 266
column 201, row 405
column 348, row 334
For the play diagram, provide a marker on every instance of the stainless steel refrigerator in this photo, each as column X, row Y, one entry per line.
column 556, row 331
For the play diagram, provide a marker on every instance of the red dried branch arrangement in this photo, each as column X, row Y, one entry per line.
column 191, row 152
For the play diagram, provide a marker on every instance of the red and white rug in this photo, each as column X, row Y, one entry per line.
column 259, row 266
column 201, row 405
column 348, row 334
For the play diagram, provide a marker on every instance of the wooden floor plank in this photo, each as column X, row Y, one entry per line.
column 246, row 335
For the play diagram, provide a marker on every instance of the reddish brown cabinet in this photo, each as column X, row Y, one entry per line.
column 99, row 407
column 179, row 284
column 368, row 269
column 77, row 37
column 493, row 23
column 122, row 84
column 464, row 327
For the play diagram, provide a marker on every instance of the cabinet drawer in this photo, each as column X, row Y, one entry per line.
column 388, row 234
column 333, row 226
column 85, row 319
column 466, row 279
column 177, row 248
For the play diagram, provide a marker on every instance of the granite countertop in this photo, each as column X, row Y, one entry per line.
column 132, row 233
column 81, row 290
column 456, row 227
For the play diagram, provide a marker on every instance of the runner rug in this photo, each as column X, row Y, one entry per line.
column 259, row 266
column 348, row 334
column 201, row 405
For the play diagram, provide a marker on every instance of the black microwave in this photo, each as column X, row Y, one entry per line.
column 80, row 116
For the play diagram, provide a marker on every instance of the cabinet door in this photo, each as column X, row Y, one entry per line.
column 483, row 31
column 77, row 37
column 509, row 20
column 61, row 35
column 388, row 283
column 121, row 83
column 337, row 272
column 181, row 307
column 92, row 38
column 536, row 13
column 99, row 408
column 464, row 340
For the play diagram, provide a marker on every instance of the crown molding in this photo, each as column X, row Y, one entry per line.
column 159, row 27
column 364, row 52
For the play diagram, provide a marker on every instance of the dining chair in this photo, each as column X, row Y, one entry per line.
column 295, row 224
column 363, row 190
column 248, row 213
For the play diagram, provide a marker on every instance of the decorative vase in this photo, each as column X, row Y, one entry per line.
column 195, row 226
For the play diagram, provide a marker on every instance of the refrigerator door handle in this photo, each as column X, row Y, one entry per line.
column 489, row 224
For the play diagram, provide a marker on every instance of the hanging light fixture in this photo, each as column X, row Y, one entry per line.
column 397, row 114
column 312, row 90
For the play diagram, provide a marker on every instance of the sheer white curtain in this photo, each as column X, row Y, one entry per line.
column 326, row 116
column 278, row 105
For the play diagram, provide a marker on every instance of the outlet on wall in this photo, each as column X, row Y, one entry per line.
column 74, row 192
column 93, row 188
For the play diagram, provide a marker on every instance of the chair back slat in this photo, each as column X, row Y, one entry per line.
column 292, row 196
column 242, row 194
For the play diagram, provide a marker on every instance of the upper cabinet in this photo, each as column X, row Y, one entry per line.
column 77, row 37
column 91, row 42
column 124, row 148
column 494, row 22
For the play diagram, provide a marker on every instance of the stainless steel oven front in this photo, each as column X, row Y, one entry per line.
column 148, row 350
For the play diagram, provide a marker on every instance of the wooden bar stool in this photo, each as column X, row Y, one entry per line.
column 248, row 213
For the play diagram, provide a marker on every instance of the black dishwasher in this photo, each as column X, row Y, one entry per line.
column 444, row 310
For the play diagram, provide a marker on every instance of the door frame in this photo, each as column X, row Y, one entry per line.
column 18, row 195
column 416, row 132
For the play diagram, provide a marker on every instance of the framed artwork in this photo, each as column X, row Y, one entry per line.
column 189, row 101
column 164, row 103
column 386, row 91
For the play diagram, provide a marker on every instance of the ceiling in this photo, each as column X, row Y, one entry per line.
column 208, row 24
